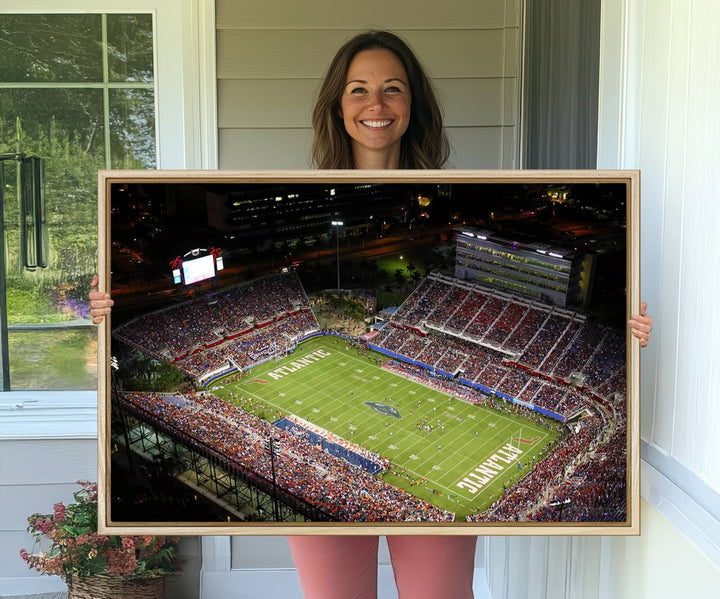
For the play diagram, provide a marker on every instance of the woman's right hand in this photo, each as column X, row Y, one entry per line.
column 100, row 303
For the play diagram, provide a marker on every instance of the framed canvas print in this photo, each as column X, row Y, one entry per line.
column 369, row 352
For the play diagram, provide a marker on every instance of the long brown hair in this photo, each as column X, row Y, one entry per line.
column 424, row 144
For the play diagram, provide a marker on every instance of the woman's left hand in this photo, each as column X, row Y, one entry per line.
column 641, row 325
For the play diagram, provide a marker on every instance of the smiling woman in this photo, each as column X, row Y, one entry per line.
column 375, row 108
column 364, row 105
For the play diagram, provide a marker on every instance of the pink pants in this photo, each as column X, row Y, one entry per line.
column 345, row 567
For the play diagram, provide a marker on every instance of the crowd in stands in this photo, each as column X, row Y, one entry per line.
column 233, row 328
column 565, row 334
column 484, row 336
column 606, row 360
column 422, row 301
column 506, row 323
column 443, row 384
column 484, row 319
column 528, row 326
column 596, row 490
column 455, row 297
column 548, row 357
column 249, row 349
column 588, row 339
column 548, row 396
column 614, row 387
column 483, row 366
column 548, row 343
column 347, row 493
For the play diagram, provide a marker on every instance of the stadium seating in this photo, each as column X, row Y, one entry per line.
column 551, row 358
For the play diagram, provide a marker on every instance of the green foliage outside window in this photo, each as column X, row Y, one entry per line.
column 77, row 91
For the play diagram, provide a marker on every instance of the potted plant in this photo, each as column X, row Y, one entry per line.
column 112, row 567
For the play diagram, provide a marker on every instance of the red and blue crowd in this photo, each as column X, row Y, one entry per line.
column 345, row 492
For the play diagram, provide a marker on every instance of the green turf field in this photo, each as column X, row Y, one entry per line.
column 331, row 387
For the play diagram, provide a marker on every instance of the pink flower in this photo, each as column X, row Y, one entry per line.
column 121, row 562
column 59, row 512
column 89, row 488
column 53, row 565
column 128, row 543
column 72, row 554
column 43, row 526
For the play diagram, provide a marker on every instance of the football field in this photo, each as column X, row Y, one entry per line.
column 444, row 450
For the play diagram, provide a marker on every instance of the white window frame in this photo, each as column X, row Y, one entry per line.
column 186, row 130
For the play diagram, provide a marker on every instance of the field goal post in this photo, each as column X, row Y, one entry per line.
column 289, row 344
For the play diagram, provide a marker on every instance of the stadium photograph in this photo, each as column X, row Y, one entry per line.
column 367, row 352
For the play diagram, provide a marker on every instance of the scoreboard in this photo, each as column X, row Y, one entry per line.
column 196, row 265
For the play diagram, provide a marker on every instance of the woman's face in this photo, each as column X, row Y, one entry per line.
column 375, row 107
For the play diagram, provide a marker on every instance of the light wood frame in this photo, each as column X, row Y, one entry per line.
column 631, row 181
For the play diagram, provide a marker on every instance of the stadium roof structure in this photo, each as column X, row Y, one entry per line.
column 518, row 243
column 520, row 266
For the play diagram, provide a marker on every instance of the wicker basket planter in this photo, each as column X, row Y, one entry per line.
column 116, row 587
column 67, row 544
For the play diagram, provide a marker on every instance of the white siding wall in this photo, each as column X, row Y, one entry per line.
column 271, row 57
column 36, row 474
column 47, row 444
column 659, row 89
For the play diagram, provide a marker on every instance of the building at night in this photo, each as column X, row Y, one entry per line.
column 306, row 211
column 536, row 270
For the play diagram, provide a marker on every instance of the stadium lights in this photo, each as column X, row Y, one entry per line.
column 270, row 446
column 554, row 255
column 337, row 224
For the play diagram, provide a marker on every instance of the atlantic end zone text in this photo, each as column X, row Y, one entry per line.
column 310, row 358
column 490, row 468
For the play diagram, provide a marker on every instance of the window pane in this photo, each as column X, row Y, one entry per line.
column 130, row 48
column 53, row 121
column 132, row 128
column 52, row 345
column 65, row 128
column 50, row 48
column 54, row 359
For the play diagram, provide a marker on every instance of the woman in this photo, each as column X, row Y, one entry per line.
column 377, row 110
column 344, row 137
